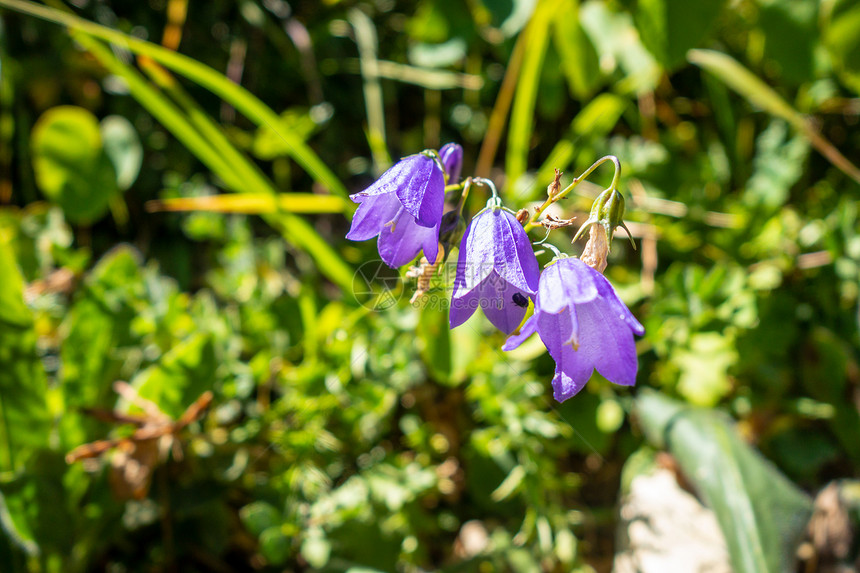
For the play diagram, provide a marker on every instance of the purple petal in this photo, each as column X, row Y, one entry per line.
column 374, row 212
column 394, row 178
column 567, row 282
column 473, row 265
column 557, row 330
column 422, row 189
column 569, row 378
column 451, row 155
column 515, row 259
column 618, row 308
column 401, row 242
column 497, row 302
column 606, row 342
column 462, row 308
column 527, row 330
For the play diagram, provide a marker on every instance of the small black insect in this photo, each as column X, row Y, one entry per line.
column 520, row 300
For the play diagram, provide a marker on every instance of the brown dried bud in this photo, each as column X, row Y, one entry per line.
column 523, row 216
column 553, row 188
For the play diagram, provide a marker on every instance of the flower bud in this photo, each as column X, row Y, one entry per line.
column 607, row 211
column 451, row 155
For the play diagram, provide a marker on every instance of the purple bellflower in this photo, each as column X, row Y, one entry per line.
column 584, row 326
column 404, row 207
column 497, row 270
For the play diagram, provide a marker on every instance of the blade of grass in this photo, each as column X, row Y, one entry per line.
column 240, row 98
column 295, row 229
column 365, row 39
column 254, row 204
column 522, row 114
column 737, row 77
column 496, row 125
column 429, row 78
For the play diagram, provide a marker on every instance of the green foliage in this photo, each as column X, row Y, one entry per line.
column 71, row 165
column 351, row 430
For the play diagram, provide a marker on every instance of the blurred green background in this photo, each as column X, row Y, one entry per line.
column 173, row 178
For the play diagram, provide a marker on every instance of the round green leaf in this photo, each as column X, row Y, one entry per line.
column 71, row 166
column 123, row 148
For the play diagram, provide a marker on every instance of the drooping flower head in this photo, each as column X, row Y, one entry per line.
column 404, row 207
column 497, row 270
column 585, row 327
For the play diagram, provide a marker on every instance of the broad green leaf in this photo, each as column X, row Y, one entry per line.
column 70, row 163
column 762, row 514
column 123, row 147
column 669, row 28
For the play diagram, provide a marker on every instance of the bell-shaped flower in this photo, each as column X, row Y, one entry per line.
column 496, row 271
column 585, row 327
column 404, row 208
column 451, row 155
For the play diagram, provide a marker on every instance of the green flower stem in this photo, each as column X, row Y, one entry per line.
column 533, row 222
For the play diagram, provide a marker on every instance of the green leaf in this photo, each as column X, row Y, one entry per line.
column 579, row 60
column 669, row 28
column 522, row 114
column 70, row 163
column 24, row 415
column 842, row 40
column 240, row 98
column 618, row 44
column 275, row 546
column 259, row 516
column 123, row 147
column 704, row 367
column 791, row 36
column 758, row 93
column 13, row 311
column 181, row 376
column 762, row 514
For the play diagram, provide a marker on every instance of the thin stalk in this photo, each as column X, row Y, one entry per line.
column 576, row 181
